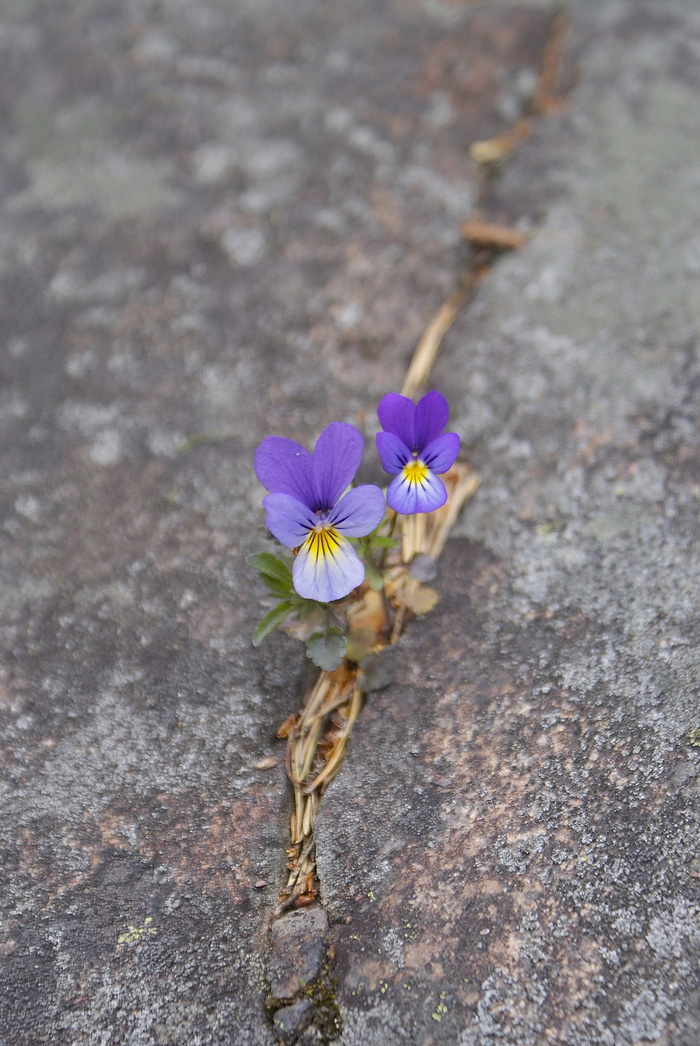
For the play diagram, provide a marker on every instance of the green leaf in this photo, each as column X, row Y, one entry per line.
column 380, row 542
column 267, row 564
column 280, row 588
column 275, row 617
column 327, row 651
column 273, row 572
column 306, row 607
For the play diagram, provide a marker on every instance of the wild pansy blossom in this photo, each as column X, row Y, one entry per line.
column 415, row 451
column 306, row 509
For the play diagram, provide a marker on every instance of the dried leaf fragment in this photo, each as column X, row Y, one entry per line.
column 266, row 764
column 547, row 99
column 496, row 150
column 286, row 728
column 492, row 150
column 422, row 599
column 490, row 234
column 305, row 899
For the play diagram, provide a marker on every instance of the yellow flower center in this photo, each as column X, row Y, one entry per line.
column 322, row 541
column 415, row 472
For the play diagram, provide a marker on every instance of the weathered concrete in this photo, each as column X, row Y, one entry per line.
column 226, row 219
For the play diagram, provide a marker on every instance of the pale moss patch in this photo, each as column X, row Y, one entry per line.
column 72, row 158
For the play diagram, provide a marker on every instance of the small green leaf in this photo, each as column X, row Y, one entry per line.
column 267, row 564
column 275, row 617
column 280, row 588
column 306, row 607
column 274, row 573
column 327, row 651
column 380, row 542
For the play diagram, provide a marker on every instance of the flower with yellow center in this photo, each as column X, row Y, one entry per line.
column 415, row 451
column 308, row 512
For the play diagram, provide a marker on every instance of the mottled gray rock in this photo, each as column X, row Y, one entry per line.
column 508, row 854
column 297, row 950
column 219, row 220
column 289, row 1021
column 229, row 218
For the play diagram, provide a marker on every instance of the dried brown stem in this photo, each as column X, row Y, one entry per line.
column 547, row 99
column 335, row 701
column 491, row 234
column 428, row 347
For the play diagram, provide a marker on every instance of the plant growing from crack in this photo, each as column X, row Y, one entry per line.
column 357, row 569
column 341, row 536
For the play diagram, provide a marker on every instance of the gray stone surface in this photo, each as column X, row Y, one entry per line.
column 219, row 220
column 529, row 872
column 290, row 1020
column 297, row 950
column 226, row 219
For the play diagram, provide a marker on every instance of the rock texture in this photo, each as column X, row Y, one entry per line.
column 225, row 219
column 529, row 872
column 297, row 948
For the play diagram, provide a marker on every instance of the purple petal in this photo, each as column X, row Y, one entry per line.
column 431, row 417
column 393, row 452
column 284, row 467
column 395, row 415
column 289, row 519
column 359, row 512
column 406, row 497
column 440, row 455
column 327, row 567
column 336, row 459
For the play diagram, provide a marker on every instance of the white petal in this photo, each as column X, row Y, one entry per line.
column 327, row 567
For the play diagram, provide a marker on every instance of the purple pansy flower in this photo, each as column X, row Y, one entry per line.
column 306, row 508
column 415, row 451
